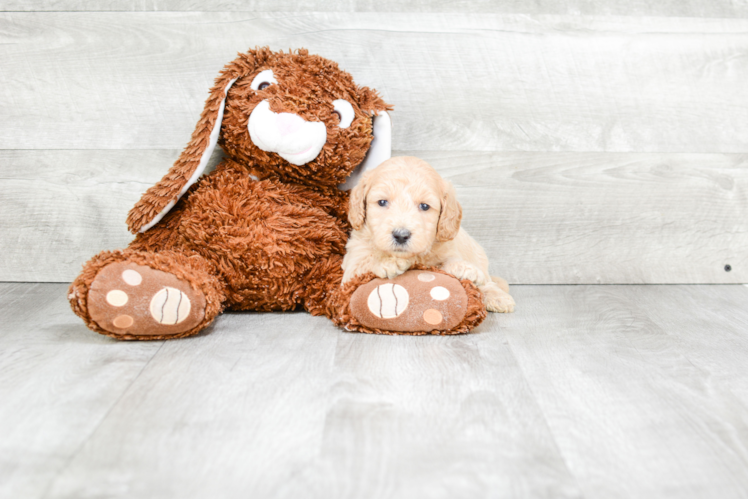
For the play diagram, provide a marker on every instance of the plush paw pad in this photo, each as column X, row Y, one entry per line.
column 170, row 306
column 388, row 301
column 127, row 298
column 416, row 301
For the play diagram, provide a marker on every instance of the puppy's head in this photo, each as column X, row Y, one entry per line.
column 405, row 206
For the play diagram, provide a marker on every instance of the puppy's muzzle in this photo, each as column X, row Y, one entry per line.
column 401, row 235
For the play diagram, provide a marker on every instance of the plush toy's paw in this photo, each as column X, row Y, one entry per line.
column 127, row 299
column 496, row 299
column 417, row 302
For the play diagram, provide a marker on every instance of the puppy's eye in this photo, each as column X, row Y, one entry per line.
column 424, row 207
column 344, row 111
column 383, row 203
column 263, row 80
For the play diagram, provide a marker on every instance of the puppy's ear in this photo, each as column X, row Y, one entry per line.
column 450, row 214
column 357, row 203
column 159, row 199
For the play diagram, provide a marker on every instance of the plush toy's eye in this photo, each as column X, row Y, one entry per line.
column 344, row 111
column 263, row 80
column 383, row 203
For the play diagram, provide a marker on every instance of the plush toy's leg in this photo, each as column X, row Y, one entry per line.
column 322, row 285
column 418, row 302
column 133, row 295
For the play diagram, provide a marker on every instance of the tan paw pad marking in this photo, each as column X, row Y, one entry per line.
column 439, row 293
column 432, row 316
column 426, row 277
column 388, row 301
column 170, row 306
column 132, row 277
column 117, row 298
column 123, row 321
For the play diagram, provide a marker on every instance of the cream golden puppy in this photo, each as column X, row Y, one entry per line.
column 404, row 213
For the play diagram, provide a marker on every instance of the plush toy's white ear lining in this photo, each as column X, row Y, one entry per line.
column 212, row 141
column 379, row 151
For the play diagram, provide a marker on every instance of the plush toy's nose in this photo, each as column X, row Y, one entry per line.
column 288, row 123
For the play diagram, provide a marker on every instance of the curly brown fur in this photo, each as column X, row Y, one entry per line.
column 267, row 234
column 259, row 232
column 307, row 86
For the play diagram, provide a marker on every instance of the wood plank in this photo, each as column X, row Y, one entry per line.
column 435, row 417
column 287, row 405
column 57, row 383
column 668, row 8
column 542, row 217
column 477, row 82
column 63, row 207
column 631, row 412
column 236, row 411
column 716, row 355
column 594, row 391
column 605, row 218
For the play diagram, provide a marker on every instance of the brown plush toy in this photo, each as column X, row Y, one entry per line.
column 266, row 230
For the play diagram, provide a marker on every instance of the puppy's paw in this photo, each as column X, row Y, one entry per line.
column 501, row 282
column 390, row 268
column 465, row 271
column 496, row 299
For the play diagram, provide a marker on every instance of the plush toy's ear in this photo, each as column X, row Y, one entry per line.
column 357, row 203
column 380, row 149
column 450, row 214
column 159, row 199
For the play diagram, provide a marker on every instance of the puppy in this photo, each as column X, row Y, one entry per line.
column 404, row 213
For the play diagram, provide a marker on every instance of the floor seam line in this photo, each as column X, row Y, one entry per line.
column 98, row 425
column 545, row 420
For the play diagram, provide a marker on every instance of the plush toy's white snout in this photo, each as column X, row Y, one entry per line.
column 293, row 138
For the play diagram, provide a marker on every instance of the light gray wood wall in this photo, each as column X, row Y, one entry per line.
column 476, row 82
column 590, row 142
column 667, row 8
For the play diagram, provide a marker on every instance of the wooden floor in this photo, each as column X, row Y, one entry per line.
column 584, row 391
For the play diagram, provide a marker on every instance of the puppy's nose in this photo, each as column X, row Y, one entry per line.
column 401, row 235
